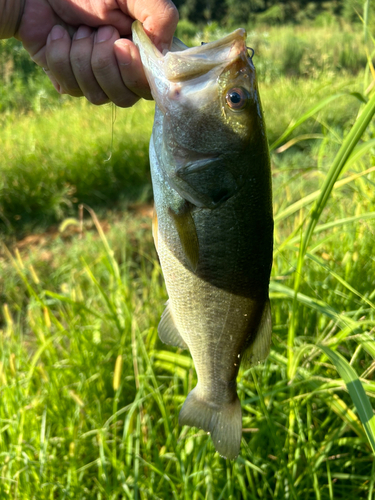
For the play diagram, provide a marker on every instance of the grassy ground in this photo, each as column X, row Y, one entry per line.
column 73, row 153
column 89, row 395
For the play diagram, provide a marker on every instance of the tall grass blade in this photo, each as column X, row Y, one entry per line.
column 279, row 291
column 296, row 140
column 367, row 342
column 341, row 280
column 311, row 112
column 306, row 200
column 337, row 223
column 338, row 164
column 366, row 9
column 356, row 391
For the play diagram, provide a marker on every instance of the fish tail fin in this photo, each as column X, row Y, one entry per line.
column 224, row 423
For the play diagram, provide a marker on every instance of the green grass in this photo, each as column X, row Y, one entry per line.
column 74, row 307
column 76, row 152
column 57, row 158
column 294, row 50
column 80, row 305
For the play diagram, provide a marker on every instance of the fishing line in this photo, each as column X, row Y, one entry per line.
column 113, row 120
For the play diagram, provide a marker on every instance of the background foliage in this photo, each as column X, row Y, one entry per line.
column 232, row 12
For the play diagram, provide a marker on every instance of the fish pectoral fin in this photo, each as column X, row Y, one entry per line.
column 187, row 232
column 206, row 183
column 167, row 330
column 223, row 422
column 260, row 348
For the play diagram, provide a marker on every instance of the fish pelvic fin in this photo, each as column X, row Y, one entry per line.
column 223, row 422
column 167, row 330
column 260, row 348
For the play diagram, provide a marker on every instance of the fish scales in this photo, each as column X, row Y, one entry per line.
column 213, row 227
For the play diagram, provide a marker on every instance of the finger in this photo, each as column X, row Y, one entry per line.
column 58, row 61
column 117, row 19
column 161, row 23
column 106, row 70
column 159, row 18
column 53, row 80
column 131, row 69
column 80, row 59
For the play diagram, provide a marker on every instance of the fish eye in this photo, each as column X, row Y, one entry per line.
column 236, row 98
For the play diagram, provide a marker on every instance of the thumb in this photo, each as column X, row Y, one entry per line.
column 159, row 18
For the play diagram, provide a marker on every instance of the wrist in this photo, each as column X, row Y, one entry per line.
column 10, row 17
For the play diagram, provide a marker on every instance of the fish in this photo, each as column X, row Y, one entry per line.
column 213, row 219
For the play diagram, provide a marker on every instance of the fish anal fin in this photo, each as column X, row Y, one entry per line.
column 187, row 232
column 259, row 349
column 167, row 330
column 223, row 422
column 155, row 228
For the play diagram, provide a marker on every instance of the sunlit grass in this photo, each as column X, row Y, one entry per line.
column 75, row 305
column 80, row 305
column 56, row 159
column 75, row 153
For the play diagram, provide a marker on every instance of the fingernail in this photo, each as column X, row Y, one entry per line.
column 123, row 53
column 57, row 32
column 104, row 34
column 82, row 32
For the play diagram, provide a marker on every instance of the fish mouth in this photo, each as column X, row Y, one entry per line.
column 182, row 63
column 197, row 61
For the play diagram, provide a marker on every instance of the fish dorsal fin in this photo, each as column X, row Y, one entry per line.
column 167, row 330
column 260, row 348
column 187, row 232
column 155, row 228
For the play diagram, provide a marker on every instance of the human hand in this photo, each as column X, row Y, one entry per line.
column 79, row 44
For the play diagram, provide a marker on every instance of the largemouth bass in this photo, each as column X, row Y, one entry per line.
column 213, row 227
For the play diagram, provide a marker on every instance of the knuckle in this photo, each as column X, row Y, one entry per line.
column 100, row 63
column 75, row 92
column 97, row 98
column 126, row 102
column 79, row 59
column 69, row 91
column 67, row 86
column 173, row 14
column 139, row 86
column 58, row 60
column 169, row 13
